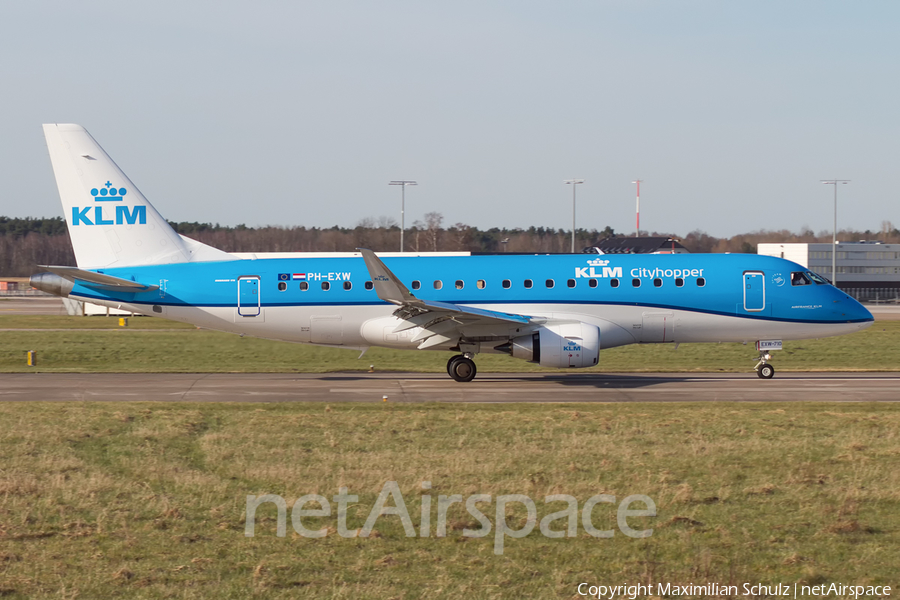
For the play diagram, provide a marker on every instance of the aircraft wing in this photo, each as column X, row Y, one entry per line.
column 99, row 280
column 440, row 321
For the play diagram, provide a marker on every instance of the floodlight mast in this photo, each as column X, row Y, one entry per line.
column 835, row 183
column 573, row 183
column 637, row 225
column 402, row 183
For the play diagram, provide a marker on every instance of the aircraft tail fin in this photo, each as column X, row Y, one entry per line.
column 111, row 224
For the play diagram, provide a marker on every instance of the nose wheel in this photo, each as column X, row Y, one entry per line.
column 763, row 369
column 461, row 368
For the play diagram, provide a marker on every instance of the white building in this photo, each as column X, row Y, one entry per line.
column 868, row 271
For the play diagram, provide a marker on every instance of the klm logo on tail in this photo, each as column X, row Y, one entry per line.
column 137, row 215
column 108, row 193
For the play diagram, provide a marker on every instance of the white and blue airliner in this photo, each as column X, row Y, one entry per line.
column 554, row 310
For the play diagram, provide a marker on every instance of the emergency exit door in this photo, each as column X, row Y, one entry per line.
column 754, row 291
column 248, row 296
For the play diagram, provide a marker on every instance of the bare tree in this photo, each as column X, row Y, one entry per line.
column 433, row 228
column 26, row 243
column 417, row 228
column 462, row 236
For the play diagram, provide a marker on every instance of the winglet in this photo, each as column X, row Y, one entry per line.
column 388, row 287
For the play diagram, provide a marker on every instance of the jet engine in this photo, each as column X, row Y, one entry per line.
column 560, row 346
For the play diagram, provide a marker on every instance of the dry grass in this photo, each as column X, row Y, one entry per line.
column 149, row 345
column 147, row 500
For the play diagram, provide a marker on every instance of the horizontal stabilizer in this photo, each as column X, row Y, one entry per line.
column 99, row 280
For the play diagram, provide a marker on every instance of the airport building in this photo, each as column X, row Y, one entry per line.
column 868, row 271
column 638, row 245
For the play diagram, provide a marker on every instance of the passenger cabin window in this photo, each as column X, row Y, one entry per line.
column 305, row 286
column 480, row 284
column 459, row 284
column 613, row 282
column 416, row 284
column 507, row 284
column 571, row 283
column 679, row 282
column 701, row 282
column 369, row 285
column 438, row 284
column 282, row 286
column 549, row 283
column 799, row 278
column 636, row 283
column 657, row 282
column 326, row 286
column 592, row 282
column 528, row 283
column 348, row 285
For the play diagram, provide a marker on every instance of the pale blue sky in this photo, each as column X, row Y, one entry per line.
column 300, row 113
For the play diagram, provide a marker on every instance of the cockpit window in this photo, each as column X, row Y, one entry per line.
column 817, row 278
column 799, row 278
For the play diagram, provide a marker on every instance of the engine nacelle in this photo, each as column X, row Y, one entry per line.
column 561, row 346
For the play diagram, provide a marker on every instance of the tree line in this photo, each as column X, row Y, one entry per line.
column 26, row 243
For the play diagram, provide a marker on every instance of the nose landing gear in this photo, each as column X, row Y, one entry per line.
column 461, row 367
column 763, row 369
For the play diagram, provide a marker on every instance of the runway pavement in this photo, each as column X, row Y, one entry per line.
column 418, row 387
column 32, row 305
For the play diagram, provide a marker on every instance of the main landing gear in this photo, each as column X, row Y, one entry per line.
column 461, row 367
column 763, row 369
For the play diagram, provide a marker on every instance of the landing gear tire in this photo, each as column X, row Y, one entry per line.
column 461, row 368
column 450, row 362
column 766, row 372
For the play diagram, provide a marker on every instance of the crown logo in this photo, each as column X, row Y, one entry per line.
column 108, row 193
column 598, row 262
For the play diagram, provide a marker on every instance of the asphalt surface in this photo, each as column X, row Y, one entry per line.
column 417, row 387
column 31, row 305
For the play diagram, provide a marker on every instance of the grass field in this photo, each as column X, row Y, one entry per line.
column 157, row 345
column 147, row 500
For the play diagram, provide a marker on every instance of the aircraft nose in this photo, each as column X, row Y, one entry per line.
column 849, row 309
column 864, row 313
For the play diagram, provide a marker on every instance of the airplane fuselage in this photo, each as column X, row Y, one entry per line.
column 554, row 310
column 630, row 298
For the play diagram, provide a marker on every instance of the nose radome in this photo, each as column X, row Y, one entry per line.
column 865, row 314
column 852, row 310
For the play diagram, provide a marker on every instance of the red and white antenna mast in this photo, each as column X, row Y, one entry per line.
column 637, row 224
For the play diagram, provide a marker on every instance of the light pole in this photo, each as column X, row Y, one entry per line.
column 835, row 183
column 637, row 220
column 573, row 183
column 402, row 183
